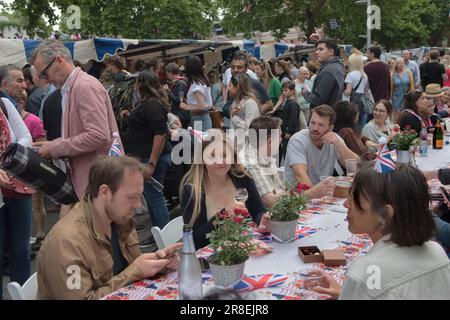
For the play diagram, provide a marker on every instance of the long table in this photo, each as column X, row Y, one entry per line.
column 322, row 224
column 274, row 275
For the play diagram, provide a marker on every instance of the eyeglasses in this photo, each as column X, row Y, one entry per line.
column 43, row 74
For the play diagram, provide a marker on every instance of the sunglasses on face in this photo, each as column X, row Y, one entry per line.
column 43, row 74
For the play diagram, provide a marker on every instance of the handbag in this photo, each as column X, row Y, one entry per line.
column 216, row 118
column 20, row 190
column 367, row 99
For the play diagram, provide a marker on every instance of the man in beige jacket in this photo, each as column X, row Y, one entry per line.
column 94, row 250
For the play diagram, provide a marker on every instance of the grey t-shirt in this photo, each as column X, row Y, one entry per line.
column 320, row 162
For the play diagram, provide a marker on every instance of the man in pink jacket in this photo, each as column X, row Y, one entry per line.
column 87, row 119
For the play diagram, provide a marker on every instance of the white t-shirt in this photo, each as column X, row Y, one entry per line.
column 204, row 90
column 353, row 78
column 319, row 162
column 227, row 76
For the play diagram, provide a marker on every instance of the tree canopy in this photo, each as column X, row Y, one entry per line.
column 405, row 23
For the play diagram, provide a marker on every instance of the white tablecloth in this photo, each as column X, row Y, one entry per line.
column 284, row 259
column 435, row 159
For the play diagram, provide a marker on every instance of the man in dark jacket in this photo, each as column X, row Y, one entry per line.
column 329, row 83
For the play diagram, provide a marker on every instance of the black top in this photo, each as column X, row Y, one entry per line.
column 431, row 72
column 119, row 262
column 179, row 86
column 146, row 121
column 33, row 104
column 408, row 119
column 52, row 114
column 201, row 226
column 290, row 117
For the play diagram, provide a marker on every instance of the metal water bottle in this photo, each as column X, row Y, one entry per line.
column 190, row 271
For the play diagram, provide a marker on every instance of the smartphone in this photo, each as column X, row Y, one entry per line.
column 445, row 193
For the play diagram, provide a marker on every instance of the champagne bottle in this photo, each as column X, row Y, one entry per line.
column 438, row 137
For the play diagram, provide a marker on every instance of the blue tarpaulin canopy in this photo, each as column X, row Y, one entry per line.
column 18, row 52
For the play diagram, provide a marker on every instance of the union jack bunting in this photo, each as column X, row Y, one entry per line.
column 302, row 231
column 384, row 162
column 249, row 283
column 116, row 149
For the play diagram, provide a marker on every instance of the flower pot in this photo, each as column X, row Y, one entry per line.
column 283, row 230
column 403, row 156
column 226, row 276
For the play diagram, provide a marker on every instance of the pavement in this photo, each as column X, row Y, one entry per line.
column 53, row 217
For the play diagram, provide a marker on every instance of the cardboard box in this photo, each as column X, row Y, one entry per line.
column 309, row 254
column 334, row 258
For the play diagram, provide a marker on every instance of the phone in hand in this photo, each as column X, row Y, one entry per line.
column 445, row 193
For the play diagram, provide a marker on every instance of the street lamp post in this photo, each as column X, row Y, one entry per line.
column 368, row 35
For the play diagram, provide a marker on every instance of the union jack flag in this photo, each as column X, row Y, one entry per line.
column 384, row 162
column 116, row 149
column 302, row 232
column 249, row 283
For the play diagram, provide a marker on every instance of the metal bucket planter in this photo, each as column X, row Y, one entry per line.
column 404, row 156
column 226, row 276
column 283, row 230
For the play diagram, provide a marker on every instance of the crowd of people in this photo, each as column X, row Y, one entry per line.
column 314, row 119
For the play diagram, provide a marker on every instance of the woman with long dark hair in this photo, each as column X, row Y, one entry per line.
column 345, row 127
column 418, row 112
column 147, row 138
column 198, row 99
column 245, row 104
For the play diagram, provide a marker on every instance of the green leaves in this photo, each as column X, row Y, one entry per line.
column 287, row 206
column 404, row 24
column 232, row 238
column 405, row 139
column 142, row 19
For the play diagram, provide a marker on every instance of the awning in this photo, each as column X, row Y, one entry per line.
column 18, row 51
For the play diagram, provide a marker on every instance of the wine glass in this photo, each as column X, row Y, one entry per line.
column 241, row 195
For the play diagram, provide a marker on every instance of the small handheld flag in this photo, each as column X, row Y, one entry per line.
column 200, row 135
column 384, row 162
column 116, row 149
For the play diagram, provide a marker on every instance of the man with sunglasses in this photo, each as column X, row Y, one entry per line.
column 88, row 121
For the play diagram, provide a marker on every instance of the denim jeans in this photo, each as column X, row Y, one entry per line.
column 155, row 200
column 15, row 231
column 205, row 120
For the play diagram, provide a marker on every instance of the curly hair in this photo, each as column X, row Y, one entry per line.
column 346, row 113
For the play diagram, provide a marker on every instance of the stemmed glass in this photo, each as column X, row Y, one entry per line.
column 241, row 195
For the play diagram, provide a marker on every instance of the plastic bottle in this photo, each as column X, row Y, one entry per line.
column 423, row 141
column 190, row 271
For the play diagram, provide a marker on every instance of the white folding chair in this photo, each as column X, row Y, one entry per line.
column 26, row 292
column 171, row 233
